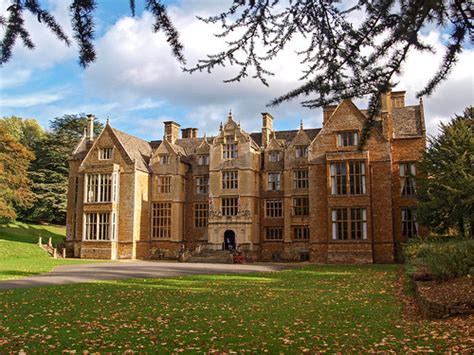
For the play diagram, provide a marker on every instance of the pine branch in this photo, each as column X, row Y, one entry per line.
column 14, row 28
column 48, row 19
column 83, row 26
column 164, row 23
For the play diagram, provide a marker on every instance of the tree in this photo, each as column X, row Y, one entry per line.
column 344, row 58
column 14, row 183
column 49, row 171
column 446, row 186
column 28, row 132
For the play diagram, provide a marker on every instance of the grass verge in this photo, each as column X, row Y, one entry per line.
column 20, row 255
column 315, row 308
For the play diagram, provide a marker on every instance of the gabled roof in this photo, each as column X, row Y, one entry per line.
column 81, row 150
column 138, row 149
column 407, row 122
column 287, row 136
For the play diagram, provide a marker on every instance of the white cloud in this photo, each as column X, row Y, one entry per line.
column 136, row 71
column 49, row 51
column 136, row 64
column 29, row 100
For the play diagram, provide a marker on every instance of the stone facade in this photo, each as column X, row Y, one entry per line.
column 307, row 194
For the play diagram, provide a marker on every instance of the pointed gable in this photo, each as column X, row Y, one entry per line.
column 275, row 144
column 301, row 138
column 131, row 149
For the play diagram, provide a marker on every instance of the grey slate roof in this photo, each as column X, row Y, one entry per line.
column 138, row 149
column 287, row 136
column 407, row 122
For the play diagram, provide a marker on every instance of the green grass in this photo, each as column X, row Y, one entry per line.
column 20, row 255
column 315, row 308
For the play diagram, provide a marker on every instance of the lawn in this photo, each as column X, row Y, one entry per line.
column 21, row 256
column 314, row 308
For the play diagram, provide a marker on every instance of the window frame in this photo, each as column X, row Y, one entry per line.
column 101, row 225
column 274, row 156
column 203, row 159
column 300, row 182
column 230, row 179
column 201, row 214
column 300, row 210
column 164, row 159
column 347, row 226
column 274, row 208
column 301, row 151
column 274, row 185
column 229, row 210
column 102, row 193
column 274, row 234
column 106, row 153
column 300, row 233
column 410, row 228
column 161, row 220
column 230, row 150
column 347, row 177
column 346, row 139
column 201, row 188
column 407, row 181
column 163, row 184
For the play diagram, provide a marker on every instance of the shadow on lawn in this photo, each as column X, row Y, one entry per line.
column 18, row 273
column 27, row 233
column 201, row 283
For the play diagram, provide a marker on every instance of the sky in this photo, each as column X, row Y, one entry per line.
column 138, row 84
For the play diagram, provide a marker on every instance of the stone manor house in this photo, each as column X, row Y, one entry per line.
column 306, row 194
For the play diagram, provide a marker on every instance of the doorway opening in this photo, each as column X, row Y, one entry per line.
column 229, row 240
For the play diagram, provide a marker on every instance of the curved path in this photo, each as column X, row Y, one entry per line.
column 68, row 274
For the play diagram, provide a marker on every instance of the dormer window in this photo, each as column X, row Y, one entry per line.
column 347, row 139
column 105, row 153
column 230, row 151
column 301, row 151
column 274, row 156
column 203, row 159
column 164, row 159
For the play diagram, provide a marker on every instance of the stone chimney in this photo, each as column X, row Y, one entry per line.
column 267, row 127
column 90, row 128
column 189, row 133
column 386, row 102
column 171, row 131
column 386, row 115
column 398, row 99
column 327, row 112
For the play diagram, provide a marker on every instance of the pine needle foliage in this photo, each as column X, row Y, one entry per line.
column 446, row 184
column 343, row 56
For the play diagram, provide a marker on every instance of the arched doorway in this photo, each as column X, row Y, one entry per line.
column 229, row 240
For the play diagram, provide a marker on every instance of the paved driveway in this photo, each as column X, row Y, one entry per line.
column 68, row 274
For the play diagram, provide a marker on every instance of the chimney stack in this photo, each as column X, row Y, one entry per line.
column 267, row 127
column 327, row 112
column 90, row 127
column 171, row 131
column 398, row 99
column 189, row 133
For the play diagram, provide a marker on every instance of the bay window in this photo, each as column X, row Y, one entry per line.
column 101, row 188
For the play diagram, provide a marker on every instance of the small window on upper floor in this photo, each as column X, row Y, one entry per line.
column 347, row 139
column 164, row 159
column 203, row 159
column 274, row 156
column 301, row 151
column 230, row 151
column 105, row 153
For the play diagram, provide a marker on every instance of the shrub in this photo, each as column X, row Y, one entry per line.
column 443, row 259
